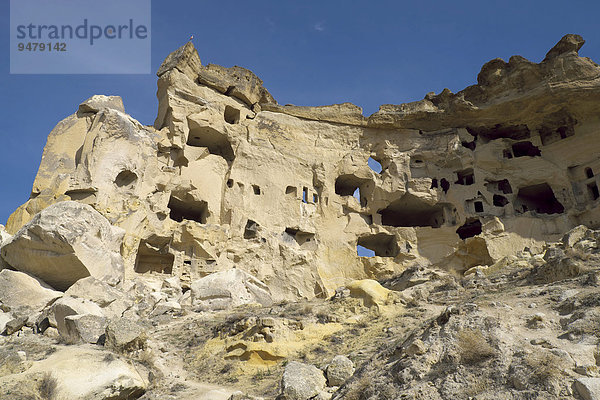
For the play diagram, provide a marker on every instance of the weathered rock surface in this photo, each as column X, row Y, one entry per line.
column 86, row 328
column 23, row 293
column 301, row 381
column 339, row 370
column 79, row 373
column 70, row 306
column 228, row 289
column 588, row 388
column 465, row 179
column 66, row 242
column 99, row 102
column 124, row 335
column 234, row 234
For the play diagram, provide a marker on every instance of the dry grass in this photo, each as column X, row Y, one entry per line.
column 48, row 387
column 357, row 389
column 544, row 367
column 473, row 347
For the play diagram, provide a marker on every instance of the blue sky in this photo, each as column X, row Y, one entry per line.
column 307, row 52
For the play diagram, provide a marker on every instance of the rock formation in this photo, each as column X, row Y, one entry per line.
column 233, row 202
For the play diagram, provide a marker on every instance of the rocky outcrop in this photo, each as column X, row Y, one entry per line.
column 228, row 178
column 66, row 242
column 229, row 289
column 237, row 233
column 23, row 293
column 69, row 372
column 301, row 382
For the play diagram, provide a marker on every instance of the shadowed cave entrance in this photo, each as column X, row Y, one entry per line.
column 411, row 211
column 191, row 210
column 381, row 244
column 539, row 198
column 153, row 258
column 472, row 227
column 216, row 142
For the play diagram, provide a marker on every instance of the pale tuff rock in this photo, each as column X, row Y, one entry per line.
column 227, row 178
column 228, row 289
column 99, row 102
column 588, row 388
column 339, row 370
column 370, row 292
column 66, row 242
column 4, row 319
column 21, row 292
column 69, row 306
column 123, row 335
column 4, row 236
column 301, row 381
column 86, row 328
column 82, row 373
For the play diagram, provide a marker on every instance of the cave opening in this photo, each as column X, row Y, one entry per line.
column 410, row 211
column 153, row 258
column 593, row 191
column 472, row 227
column 445, row 185
column 251, row 229
column 216, row 142
column 231, row 115
column 465, row 177
column 500, row 201
column 191, row 210
column 522, row 149
column 346, row 185
column 539, row 198
column 126, row 179
column 499, row 131
column 383, row 245
column 550, row 134
column 589, row 173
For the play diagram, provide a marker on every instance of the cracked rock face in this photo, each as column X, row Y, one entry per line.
column 228, row 178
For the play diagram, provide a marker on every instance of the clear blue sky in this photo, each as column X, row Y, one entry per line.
column 307, row 52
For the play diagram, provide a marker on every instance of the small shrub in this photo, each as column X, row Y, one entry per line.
column 109, row 357
column 544, row 367
column 47, row 388
column 357, row 389
column 473, row 347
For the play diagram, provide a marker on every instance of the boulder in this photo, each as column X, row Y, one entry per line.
column 575, row 235
column 99, row 102
column 588, row 388
column 301, row 381
column 15, row 325
column 78, row 373
column 4, row 319
column 4, row 236
column 229, row 288
column 235, row 81
column 370, row 291
column 123, row 335
column 112, row 301
column 24, row 293
column 185, row 59
column 66, row 242
column 339, row 370
column 69, row 306
column 86, row 328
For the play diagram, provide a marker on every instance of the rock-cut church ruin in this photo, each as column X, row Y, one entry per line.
column 228, row 178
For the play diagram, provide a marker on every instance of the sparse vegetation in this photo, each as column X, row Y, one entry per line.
column 48, row 387
column 544, row 367
column 473, row 347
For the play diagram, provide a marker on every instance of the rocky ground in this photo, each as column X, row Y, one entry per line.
column 523, row 328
